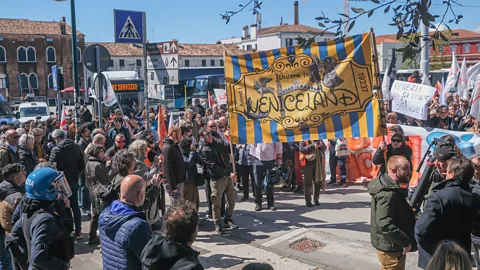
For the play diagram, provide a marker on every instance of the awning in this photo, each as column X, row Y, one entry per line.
column 71, row 89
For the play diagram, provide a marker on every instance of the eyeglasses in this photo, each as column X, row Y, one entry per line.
column 212, row 126
column 398, row 141
column 207, row 134
column 120, row 141
column 221, row 127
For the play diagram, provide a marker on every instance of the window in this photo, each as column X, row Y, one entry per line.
column 31, row 54
column 466, row 48
column 221, row 62
column 33, row 78
column 3, row 82
column 121, row 63
column 21, row 54
column 249, row 47
column 187, row 63
column 3, row 55
column 51, row 55
column 79, row 54
column 255, row 46
column 50, row 81
column 289, row 42
column 111, row 63
column 139, row 62
column 204, row 63
column 23, row 82
column 454, row 48
column 212, row 63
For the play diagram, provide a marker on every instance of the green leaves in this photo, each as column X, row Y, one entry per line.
column 350, row 27
column 358, row 10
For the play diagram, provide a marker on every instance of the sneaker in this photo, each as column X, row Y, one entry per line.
column 332, row 182
column 309, row 204
column 258, row 207
column 94, row 241
column 208, row 216
column 317, row 203
column 244, row 199
column 272, row 208
column 342, row 184
column 230, row 224
column 78, row 235
column 218, row 229
column 298, row 190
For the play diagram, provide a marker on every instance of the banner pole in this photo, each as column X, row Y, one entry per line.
column 232, row 156
column 377, row 86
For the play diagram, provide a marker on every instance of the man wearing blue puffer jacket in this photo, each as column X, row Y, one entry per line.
column 124, row 230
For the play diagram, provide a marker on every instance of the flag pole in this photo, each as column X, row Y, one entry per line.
column 232, row 156
column 378, row 87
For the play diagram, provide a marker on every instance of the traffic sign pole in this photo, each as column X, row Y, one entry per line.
column 100, row 86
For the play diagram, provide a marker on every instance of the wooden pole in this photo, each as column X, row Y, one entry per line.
column 232, row 156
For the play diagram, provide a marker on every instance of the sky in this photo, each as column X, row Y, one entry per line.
column 198, row 21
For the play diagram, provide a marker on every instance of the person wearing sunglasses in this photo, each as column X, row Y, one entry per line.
column 9, row 152
column 397, row 147
column 119, row 145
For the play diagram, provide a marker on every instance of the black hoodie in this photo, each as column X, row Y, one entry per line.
column 161, row 254
column 69, row 158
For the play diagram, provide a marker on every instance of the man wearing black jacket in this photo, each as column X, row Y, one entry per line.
column 449, row 211
column 70, row 160
column 173, row 164
column 476, row 223
column 221, row 177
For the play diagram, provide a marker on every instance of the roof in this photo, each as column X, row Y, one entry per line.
column 208, row 49
column 289, row 28
column 457, row 34
column 120, row 49
column 28, row 27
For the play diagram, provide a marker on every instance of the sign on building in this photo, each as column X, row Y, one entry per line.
column 162, row 63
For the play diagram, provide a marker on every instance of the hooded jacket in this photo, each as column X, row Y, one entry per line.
column 447, row 215
column 160, row 253
column 173, row 164
column 124, row 232
column 392, row 220
column 69, row 158
column 96, row 173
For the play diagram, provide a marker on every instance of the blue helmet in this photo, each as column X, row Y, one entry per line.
column 40, row 184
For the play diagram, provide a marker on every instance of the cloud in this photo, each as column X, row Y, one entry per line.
column 440, row 27
column 477, row 29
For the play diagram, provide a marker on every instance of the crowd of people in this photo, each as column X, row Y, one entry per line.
column 53, row 173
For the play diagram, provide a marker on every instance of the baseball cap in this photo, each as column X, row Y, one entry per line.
column 445, row 152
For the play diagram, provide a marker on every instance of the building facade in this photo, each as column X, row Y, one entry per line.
column 29, row 49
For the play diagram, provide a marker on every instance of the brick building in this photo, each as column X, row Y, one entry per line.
column 30, row 49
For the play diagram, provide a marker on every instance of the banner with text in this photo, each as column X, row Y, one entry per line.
column 411, row 99
column 295, row 93
column 361, row 168
column 221, row 96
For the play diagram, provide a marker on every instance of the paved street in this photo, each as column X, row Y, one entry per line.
column 340, row 224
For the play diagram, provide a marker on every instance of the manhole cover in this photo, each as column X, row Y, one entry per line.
column 306, row 245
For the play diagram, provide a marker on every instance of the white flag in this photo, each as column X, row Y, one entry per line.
column 443, row 94
column 109, row 97
column 426, row 80
column 170, row 121
column 475, row 101
column 452, row 75
column 463, row 80
column 473, row 70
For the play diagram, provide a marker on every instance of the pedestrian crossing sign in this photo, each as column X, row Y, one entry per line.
column 130, row 26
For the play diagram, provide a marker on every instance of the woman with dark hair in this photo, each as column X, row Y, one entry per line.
column 397, row 147
column 191, row 159
column 449, row 255
column 123, row 164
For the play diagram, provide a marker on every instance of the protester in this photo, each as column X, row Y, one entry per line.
column 84, row 137
column 96, row 173
column 9, row 152
column 173, row 164
column 26, row 154
column 449, row 255
column 392, row 219
column 152, row 200
column 415, row 77
column 191, row 159
column 124, row 230
column 266, row 155
column 11, row 191
column 341, row 152
column 174, row 249
column 449, row 211
column 86, row 114
column 189, row 121
column 123, row 164
column 221, row 178
column 392, row 118
column 119, row 128
column 245, row 170
column 119, row 145
column 476, row 223
column 397, row 147
column 40, row 148
column 313, row 161
column 41, row 227
column 69, row 159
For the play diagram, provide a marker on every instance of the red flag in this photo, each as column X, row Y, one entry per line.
column 63, row 120
column 211, row 100
column 162, row 128
column 438, row 86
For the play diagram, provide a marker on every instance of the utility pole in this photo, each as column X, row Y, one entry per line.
column 76, row 83
column 425, row 45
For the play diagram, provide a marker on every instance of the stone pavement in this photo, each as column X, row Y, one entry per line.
column 340, row 225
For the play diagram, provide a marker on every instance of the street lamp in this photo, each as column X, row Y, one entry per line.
column 76, row 86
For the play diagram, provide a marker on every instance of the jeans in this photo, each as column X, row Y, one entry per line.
column 77, row 215
column 342, row 161
column 84, row 194
column 5, row 258
column 260, row 170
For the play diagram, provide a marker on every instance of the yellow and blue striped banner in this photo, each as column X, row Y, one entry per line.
column 294, row 94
